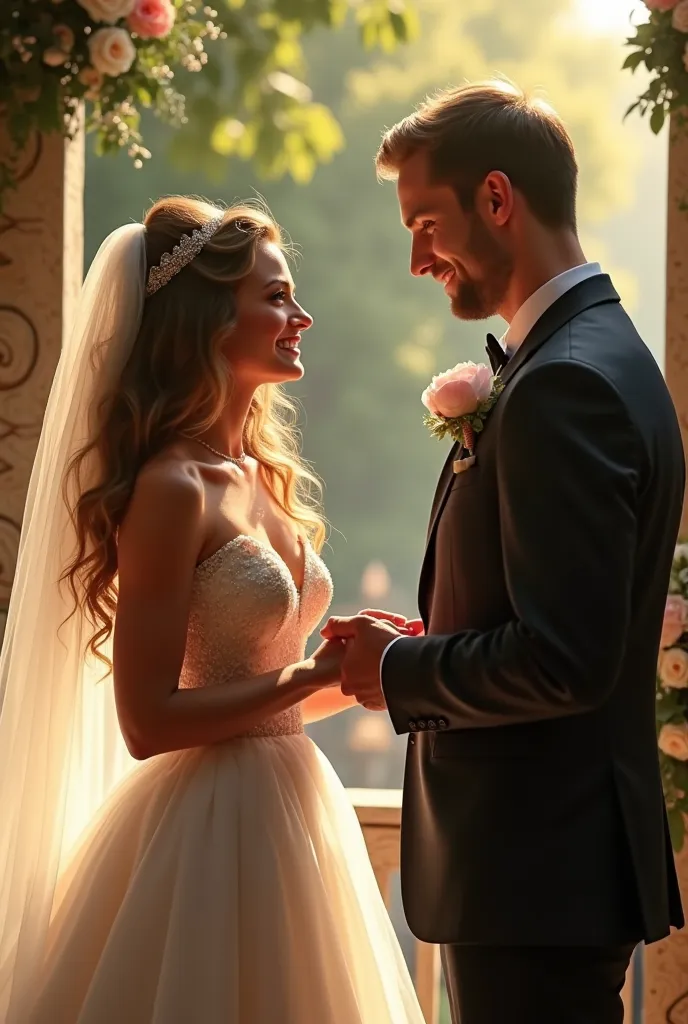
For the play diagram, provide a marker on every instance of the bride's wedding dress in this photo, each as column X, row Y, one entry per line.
column 229, row 884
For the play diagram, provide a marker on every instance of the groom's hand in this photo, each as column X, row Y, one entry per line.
column 365, row 640
column 409, row 627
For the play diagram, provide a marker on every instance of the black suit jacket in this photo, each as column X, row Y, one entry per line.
column 533, row 810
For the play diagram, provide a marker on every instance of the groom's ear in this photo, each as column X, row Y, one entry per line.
column 497, row 197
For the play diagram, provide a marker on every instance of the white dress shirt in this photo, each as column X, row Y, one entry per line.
column 535, row 305
column 525, row 319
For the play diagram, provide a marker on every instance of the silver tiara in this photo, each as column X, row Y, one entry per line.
column 186, row 249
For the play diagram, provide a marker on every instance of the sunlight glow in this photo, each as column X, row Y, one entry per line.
column 610, row 15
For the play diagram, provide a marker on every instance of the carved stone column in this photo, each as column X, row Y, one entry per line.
column 41, row 269
column 666, row 963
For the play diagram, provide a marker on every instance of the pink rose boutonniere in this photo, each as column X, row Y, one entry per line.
column 458, row 403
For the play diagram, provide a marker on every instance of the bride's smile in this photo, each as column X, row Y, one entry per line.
column 263, row 344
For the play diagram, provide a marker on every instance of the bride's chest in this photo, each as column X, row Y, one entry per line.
column 246, row 606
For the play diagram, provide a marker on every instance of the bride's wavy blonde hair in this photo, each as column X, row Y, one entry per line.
column 176, row 381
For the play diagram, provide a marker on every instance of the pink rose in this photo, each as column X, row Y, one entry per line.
column 64, row 38
column 679, row 19
column 152, row 19
column 675, row 620
column 673, row 668
column 93, row 80
column 458, row 392
column 673, row 741
column 54, row 57
column 661, row 5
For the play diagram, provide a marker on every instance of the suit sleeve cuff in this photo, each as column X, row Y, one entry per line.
column 394, row 666
column 384, row 654
column 406, row 688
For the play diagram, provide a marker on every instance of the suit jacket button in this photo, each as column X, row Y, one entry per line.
column 412, row 726
column 432, row 724
column 422, row 724
column 442, row 723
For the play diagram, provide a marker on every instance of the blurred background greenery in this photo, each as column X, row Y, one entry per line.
column 378, row 334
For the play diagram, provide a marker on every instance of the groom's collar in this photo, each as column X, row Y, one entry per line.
column 592, row 291
column 536, row 304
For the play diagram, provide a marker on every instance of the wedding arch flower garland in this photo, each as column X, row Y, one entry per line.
column 672, row 698
column 661, row 44
column 113, row 56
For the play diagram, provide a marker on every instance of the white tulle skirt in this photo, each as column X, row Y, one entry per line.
column 228, row 885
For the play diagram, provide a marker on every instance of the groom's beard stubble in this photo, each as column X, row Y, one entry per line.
column 480, row 299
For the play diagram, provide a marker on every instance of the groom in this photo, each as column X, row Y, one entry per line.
column 534, row 844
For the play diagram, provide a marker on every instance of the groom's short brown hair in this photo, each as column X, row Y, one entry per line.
column 492, row 126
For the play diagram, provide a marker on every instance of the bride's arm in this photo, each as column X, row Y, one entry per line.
column 158, row 548
column 325, row 703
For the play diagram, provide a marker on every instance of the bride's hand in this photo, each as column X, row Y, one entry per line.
column 326, row 664
column 407, row 627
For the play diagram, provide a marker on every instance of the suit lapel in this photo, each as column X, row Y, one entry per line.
column 594, row 291
column 443, row 485
column 441, row 494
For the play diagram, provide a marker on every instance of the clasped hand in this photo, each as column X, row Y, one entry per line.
column 363, row 639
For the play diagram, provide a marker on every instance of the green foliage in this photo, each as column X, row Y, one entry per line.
column 257, row 105
column 49, row 72
column 252, row 101
column 663, row 50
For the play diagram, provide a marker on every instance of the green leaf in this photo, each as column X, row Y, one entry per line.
column 226, row 136
column 666, row 712
column 657, row 118
column 655, row 89
column 677, row 829
column 633, row 60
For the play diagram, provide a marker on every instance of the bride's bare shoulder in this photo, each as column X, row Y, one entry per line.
column 167, row 501
column 170, row 472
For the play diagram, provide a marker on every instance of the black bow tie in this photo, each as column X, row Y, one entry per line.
column 497, row 355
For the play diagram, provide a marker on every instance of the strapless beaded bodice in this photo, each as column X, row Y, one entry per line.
column 247, row 617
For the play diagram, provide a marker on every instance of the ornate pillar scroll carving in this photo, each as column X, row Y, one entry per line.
column 41, row 269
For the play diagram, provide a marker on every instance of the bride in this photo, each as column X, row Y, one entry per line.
column 173, row 848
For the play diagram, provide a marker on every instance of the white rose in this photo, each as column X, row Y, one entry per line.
column 679, row 17
column 108, row 11
column 673, row 741
column 112, row 51
column 673, row 668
